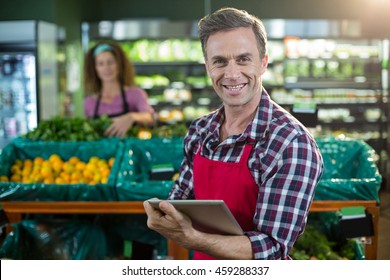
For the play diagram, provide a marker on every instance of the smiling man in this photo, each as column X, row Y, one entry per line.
column 250, row 153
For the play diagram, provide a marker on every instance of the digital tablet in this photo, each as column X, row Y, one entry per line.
column 211, row 216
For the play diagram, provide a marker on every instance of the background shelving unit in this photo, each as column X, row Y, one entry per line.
column 347, row 81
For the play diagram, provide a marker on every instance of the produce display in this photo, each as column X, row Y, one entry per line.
column 69, row 129
column 173, row 130
column 145, row 50
column 315, row 245
column 82, row 129
column 55, row 170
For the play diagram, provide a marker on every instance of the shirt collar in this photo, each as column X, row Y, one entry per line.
column 259, row 127
column 256, row 130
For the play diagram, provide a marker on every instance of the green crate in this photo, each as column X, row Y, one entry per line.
column 26, row 149
column 140, row 156
column 350, row 170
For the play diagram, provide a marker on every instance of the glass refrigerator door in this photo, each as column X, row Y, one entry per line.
column 18, row 96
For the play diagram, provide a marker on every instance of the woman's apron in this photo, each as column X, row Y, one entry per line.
column 231, row 182
column 125, row 107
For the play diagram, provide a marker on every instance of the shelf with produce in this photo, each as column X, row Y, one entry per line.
column 351, row 124
column 354, row 114
column 328, row 48
column 179, row 91
column 344, row 79
column 187, row 111
column 301, row 74
column 326, row 63
column 326, row 84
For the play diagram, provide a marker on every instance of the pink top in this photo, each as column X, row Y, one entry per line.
column 137, row 100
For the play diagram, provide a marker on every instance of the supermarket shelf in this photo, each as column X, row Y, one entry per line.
column 361, row 123
column 327, row 84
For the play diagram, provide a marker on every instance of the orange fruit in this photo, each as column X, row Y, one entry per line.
column 28, row 163
column 60, row 180
column 46, row 163
column 38, row 160
column 46, row 172
column 4, row 178
column 64, row 176
column 111, row 161
column 102, row 162
column 144, row 133
column 48, row 180
column 26, row 180
column 74, row 160
column 16, row 178
column 75, row 176
column 88, row 174
column 105, row 172
column 37, row 177
column 57, row 166
column 97, row 177
column 26, row 171
column 80, row 166
column 16, row 169
column 54, row 157
column 91, row 167
column 93, row 159
column 68, row 167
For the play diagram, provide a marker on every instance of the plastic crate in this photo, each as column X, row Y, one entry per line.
column 135, row 180
column 25, row 149
column 350, row 170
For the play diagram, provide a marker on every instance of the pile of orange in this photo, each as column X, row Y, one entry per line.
column 54, row 170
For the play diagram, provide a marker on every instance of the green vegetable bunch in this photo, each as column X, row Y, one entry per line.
column 161, row 130
column 83, row 129
column 315, row 244
column 172, row 130
column 69, row 129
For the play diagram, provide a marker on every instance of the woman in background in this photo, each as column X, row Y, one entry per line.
column 109, row 80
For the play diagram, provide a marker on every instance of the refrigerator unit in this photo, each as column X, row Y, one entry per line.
column 28, row 76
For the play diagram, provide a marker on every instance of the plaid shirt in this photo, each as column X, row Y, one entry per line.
column 285, row 162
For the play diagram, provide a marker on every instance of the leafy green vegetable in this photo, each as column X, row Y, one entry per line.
column 314, row 243
column 69, row 129
column 83, row 129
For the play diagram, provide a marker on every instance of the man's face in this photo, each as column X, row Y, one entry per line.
column 235, row 67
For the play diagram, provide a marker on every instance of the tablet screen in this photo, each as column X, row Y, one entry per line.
column 211, row 216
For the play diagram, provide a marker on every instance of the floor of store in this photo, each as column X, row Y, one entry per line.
column 384, row 227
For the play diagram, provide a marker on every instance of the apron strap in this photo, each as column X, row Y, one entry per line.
column 125, row 107
column 95, row 112
column 124, row 102
column 247, row 150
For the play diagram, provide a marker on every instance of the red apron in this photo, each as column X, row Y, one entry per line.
column 231, row 182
